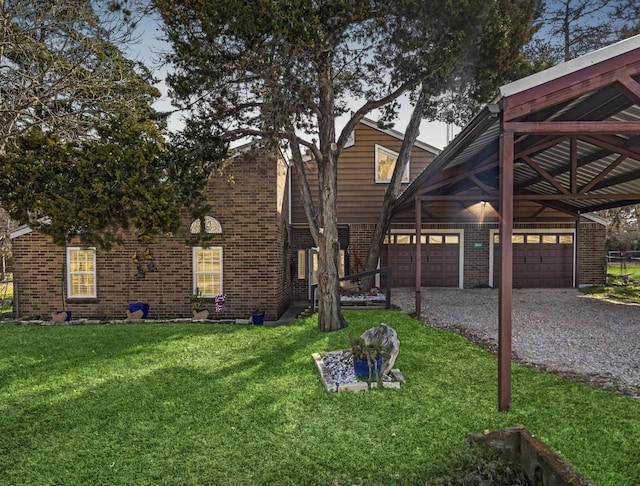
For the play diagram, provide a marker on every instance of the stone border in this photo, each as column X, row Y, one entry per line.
column 357, row 386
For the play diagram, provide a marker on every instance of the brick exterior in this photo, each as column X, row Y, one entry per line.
column 592, row 254
column 255, row 242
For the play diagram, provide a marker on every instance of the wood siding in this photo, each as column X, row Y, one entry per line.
column 359, row 196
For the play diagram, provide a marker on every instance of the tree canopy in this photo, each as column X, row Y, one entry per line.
column 82, row 152
column 284, row 70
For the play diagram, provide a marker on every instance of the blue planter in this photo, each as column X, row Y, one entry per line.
column 138, row 306
column 257, row 318
column 361, row 367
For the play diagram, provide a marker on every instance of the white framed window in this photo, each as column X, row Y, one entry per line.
column 385, row 163
column 207, row 271
column 81, row 273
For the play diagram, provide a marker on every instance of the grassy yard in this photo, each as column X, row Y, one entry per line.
column 630, row 269
column 198, row 404
column 6, row 294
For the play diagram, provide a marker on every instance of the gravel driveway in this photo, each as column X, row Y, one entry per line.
column 560, row 330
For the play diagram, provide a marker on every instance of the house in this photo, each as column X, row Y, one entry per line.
column 365, row 167
column 248, row 261
column 460, row 244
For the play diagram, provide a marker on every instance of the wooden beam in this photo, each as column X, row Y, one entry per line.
column 587, row 187
column 574, row 127
column 483, row 187
column 547, row 177
column 630, row 88
column 505, row 299
column 575, row 197
column 573, row 170
column 418, row 258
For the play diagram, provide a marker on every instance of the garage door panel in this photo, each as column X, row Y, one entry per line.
column 440, row 262
column 538, row 262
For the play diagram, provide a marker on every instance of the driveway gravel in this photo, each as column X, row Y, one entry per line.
column 558, row 330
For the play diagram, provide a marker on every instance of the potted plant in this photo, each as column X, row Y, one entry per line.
column 368, row 357
column 257, row 317
column 198, row 302
column 137, row 310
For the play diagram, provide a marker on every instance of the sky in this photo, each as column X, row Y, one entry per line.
column 150, row 46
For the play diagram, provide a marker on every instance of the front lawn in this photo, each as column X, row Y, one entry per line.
column 622, row 293
column 196, row 404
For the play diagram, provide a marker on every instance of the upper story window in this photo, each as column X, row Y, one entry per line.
column 207, row 271
column 81, row 272
column 385, row 163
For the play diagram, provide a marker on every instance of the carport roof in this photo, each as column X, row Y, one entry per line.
column 576, row 130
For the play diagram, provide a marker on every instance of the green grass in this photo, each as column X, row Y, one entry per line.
column 622, row 293
column 629, row 268
column 6, row 294
column 197, row 404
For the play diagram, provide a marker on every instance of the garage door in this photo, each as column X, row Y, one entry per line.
column 539, row 260
column 440, row 259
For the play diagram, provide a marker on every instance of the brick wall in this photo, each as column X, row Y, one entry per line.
column 256, row 254
column 593, row 254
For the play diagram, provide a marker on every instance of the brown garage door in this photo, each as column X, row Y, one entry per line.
column 440, row 259
column 539, row 260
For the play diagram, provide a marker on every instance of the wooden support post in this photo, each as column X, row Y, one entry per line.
column 505, row 303
column 576, row 254
column 418, row 257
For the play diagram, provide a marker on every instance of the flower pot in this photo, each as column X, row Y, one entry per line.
column 257, row 318
column 139, row 307
column 200, row 314
column 361, row 368
column 61, row 316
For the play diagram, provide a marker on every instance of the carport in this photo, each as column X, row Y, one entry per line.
column 567, row 138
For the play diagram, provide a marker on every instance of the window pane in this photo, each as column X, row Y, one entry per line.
column 386, row 163
column 496, row 239
column 533, row 239
column 566, row 239
column 208, row 284
column 81, row 260
column 549, row 239
column 435, row 239
column 81, row 272
column 302, row 268
column 208, row 271
column 403, row 239
column 82, row 285
column 451, row 239
column 517, row 238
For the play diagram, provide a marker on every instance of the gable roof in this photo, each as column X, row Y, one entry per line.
column 399, row 135
column 576, row 138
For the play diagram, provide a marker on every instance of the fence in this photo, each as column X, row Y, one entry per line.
column 386, row 271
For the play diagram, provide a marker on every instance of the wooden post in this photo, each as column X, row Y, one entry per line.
column 576, row 254
column 418, row 257
column 505, row 303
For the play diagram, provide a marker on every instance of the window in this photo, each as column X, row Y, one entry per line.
column 435, row 239
column 302, row 268
column 549, row 239
column 81, row 273
column 207, row 271
column 533, row 239
column 566, row 239
column 385, row 163
column 451, row 239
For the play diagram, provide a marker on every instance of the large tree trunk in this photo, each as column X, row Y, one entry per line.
column 392, row 192
column 329, row 312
